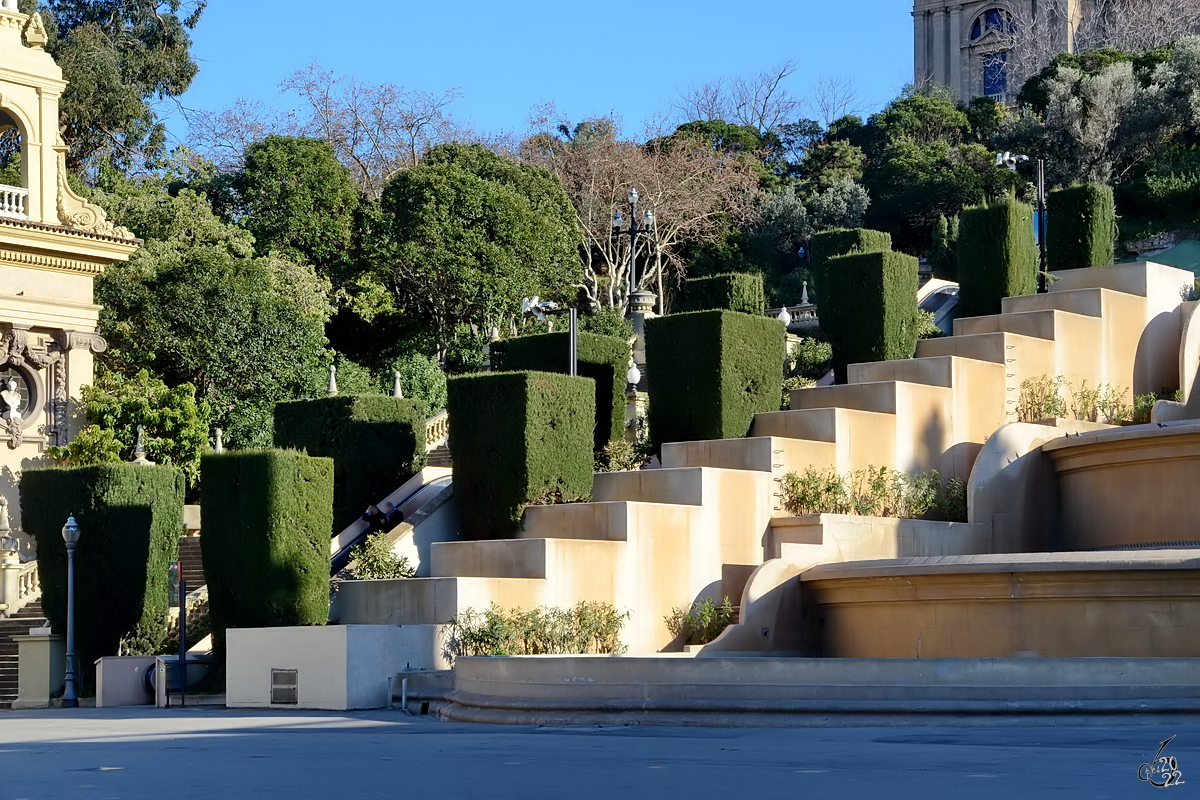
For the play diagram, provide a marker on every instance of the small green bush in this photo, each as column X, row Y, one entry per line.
column 604, row 359
column 516, row 437
column 130, row 517
column 376, row 443
column 876, row 309
column 733, row 291
column 1081, row 227
column 997, row 256
column 944, row 255
column 373, row 560
column 871, row 492
column 267, row 517
column 589, row 627
column 702, row 622
column 710, row 373
column 421, row 379
column 1041, row 398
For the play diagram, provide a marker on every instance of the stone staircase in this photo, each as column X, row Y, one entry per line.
column 658, row 539
column 192, row 562
column 18, row 625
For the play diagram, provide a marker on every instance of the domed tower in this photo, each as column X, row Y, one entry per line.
column 53, row 244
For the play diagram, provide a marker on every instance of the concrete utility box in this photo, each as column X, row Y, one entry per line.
column 334, row 667
column 41, row 668
column 121, row 681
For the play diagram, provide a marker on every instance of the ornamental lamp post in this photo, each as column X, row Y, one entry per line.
column 70, row 534
column 638, row 300
column 1009, row 160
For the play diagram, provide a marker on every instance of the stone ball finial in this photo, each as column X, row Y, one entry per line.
column 11, row 5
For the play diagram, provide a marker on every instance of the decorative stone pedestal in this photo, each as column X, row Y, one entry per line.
column 41, row 665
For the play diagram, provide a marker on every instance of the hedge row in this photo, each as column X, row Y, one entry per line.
column 997, row 256
column 944, row 256
column 376, row 443
column 881, row 289
column 604, row 359
column 711, row 372
column 130, row 517
column 733, row 291
column 518, row 437
column 267, row 516
column 1081, row 227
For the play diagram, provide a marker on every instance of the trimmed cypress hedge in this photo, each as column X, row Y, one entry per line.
column 944, row 255
column 826, row 246
column 880, row 292
column 517, row 437
column 711, row 372
column 130, row 517
column 1081, row 226
column 604, row 359
column 376, row 443
column 997, row 256
column 734, row 291
column 267, row 516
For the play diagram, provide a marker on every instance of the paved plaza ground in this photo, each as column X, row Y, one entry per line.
column 215, row 752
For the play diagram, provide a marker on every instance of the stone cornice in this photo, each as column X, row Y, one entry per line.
column 59, row 249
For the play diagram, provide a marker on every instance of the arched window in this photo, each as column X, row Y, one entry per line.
column 994, row 19
column 10, row 151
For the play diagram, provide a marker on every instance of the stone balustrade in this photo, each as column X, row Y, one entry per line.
column 437, row 431
column 20, row 585
column 13, row 202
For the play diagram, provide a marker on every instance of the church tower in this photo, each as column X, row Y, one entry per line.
column 53, row 244
column 978, row 48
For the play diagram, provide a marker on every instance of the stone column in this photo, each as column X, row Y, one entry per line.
column 920, row 69
column 939, row 69
column 956, row 52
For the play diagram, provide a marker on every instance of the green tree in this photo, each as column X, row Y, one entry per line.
column 176, row 425
column 120, row 58
column 299, row 201
column 471, row 233
column 194, row 306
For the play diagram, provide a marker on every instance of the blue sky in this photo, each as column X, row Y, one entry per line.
column 588, row 58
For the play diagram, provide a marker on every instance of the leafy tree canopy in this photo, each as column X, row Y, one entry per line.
column 121, row 58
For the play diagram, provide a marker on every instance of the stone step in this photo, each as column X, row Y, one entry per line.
column 1088, row 302
column 760, row 453
column 882, row 397
column 1043, row 324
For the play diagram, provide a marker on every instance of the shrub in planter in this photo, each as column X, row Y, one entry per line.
column 516, row 438
column 876, row 310
column 267, row 516
column 129, row 517
column 733, row 291
column 376, row 443
column 1081, row 227
column 997, row 256
column 710, row 373
column 604, row 359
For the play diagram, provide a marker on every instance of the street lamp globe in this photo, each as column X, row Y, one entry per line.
column 70, row 531
column 634, row 376
column 784, row 317
column 633, row 196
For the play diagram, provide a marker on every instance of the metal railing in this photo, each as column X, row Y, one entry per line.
column 437, row 431
column 13, row 200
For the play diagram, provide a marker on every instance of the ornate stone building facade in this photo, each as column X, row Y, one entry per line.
column 972, row 46
column 53, row 244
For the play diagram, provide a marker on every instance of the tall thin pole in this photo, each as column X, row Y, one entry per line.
column 70, row 699
column 633, row 232
column 1041, row 198
column 182, row 637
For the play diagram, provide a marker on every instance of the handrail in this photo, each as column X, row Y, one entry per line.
column 437, row 431
column 13, row 202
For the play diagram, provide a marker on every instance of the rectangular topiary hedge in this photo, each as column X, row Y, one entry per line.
column 710, row 372
column 943, row 258
column 997, row 256
column 130, row 517
column 604, row 359
column 517, row 437
column 829, row 245
column 733, row 291
column 1081, row 227
column 267, row 516
column 881, row 291
column 376, row 443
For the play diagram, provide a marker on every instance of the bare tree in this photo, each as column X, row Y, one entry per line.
column 692, row 188
column 760, row 101
column 222, row 136
column 833, row 98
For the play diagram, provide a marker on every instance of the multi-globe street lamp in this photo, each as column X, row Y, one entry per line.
column 1010, row 160
column 70, row 534
column 644, row 300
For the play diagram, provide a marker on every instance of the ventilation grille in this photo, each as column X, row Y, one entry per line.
column 283, row 687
